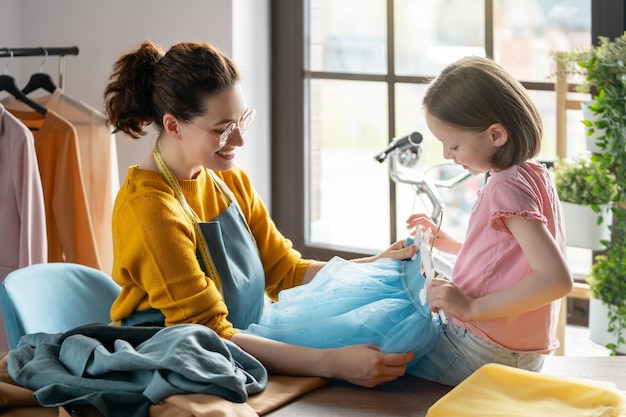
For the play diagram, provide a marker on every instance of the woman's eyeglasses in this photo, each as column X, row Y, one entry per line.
column 242, row 124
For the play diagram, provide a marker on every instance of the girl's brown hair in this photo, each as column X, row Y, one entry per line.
column 474, row 93
column 146, row 84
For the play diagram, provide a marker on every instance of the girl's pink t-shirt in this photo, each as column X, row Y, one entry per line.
column 492, row 260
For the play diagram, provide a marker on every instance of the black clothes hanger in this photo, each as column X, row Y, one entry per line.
column 7, row 83
column 40, row 79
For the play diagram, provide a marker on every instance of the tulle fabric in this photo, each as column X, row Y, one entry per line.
column 349, row 303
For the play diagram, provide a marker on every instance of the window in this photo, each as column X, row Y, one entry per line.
column 349, row 76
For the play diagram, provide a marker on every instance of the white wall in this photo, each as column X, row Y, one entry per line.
column 251, row 53
column 105, row 29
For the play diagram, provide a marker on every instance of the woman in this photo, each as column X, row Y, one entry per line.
column 193, row 242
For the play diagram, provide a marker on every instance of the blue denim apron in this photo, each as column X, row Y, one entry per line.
column 233, row 254
column 236, row 258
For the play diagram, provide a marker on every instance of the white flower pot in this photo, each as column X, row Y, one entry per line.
column 592, row 117
column 581, row 228
column 599, row 324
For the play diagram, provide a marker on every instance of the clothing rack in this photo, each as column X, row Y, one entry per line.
column 61, row 52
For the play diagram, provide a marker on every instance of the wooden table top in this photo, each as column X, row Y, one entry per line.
column 412, row 397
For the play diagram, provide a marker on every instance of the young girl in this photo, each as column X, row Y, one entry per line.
column 192, row 241
column 510, row 273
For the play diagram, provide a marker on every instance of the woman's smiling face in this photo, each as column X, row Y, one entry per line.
column 202, row 134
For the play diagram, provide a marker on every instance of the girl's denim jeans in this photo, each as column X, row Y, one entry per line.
column 458, row 353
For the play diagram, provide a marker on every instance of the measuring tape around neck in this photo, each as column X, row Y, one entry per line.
column 203, row 247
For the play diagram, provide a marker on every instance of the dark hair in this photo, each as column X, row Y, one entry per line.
column 146, row 84
column 474, row 93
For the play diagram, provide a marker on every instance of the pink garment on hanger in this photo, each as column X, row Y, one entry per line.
column 22, row 210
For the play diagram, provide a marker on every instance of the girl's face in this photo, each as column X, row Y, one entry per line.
column 472, row 150
column 201, row 137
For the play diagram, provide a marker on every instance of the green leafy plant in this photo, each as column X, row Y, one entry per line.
column 603, row 72
column 584, row 181
column 606, row 281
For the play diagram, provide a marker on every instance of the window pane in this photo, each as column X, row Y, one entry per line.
column 526, row 32
column 347, row 122
column 348, row 204
column 546, row 104
column 579, row 260
column 431, row 34
column 348, row 36
column 410, row 117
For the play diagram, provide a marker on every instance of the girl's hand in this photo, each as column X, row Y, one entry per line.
column 366, row 366
column 443, row 294
column 443, row 241
column 421, row 220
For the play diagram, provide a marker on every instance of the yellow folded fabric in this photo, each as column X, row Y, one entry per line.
column 498, row 390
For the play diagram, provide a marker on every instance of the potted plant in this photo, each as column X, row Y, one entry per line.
column 607, row 307
column 603, row 72
column 600, row 71
column 586, row 190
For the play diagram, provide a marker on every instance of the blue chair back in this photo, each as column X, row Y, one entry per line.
column 54, row 298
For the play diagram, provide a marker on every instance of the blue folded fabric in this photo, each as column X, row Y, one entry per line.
column 125, row 380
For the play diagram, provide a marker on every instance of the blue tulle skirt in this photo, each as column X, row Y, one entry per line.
column 351, row 303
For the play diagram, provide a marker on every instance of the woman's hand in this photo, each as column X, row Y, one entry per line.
column 362, row 365
column 443, row 241
column 395, row 251
column 365, row 365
